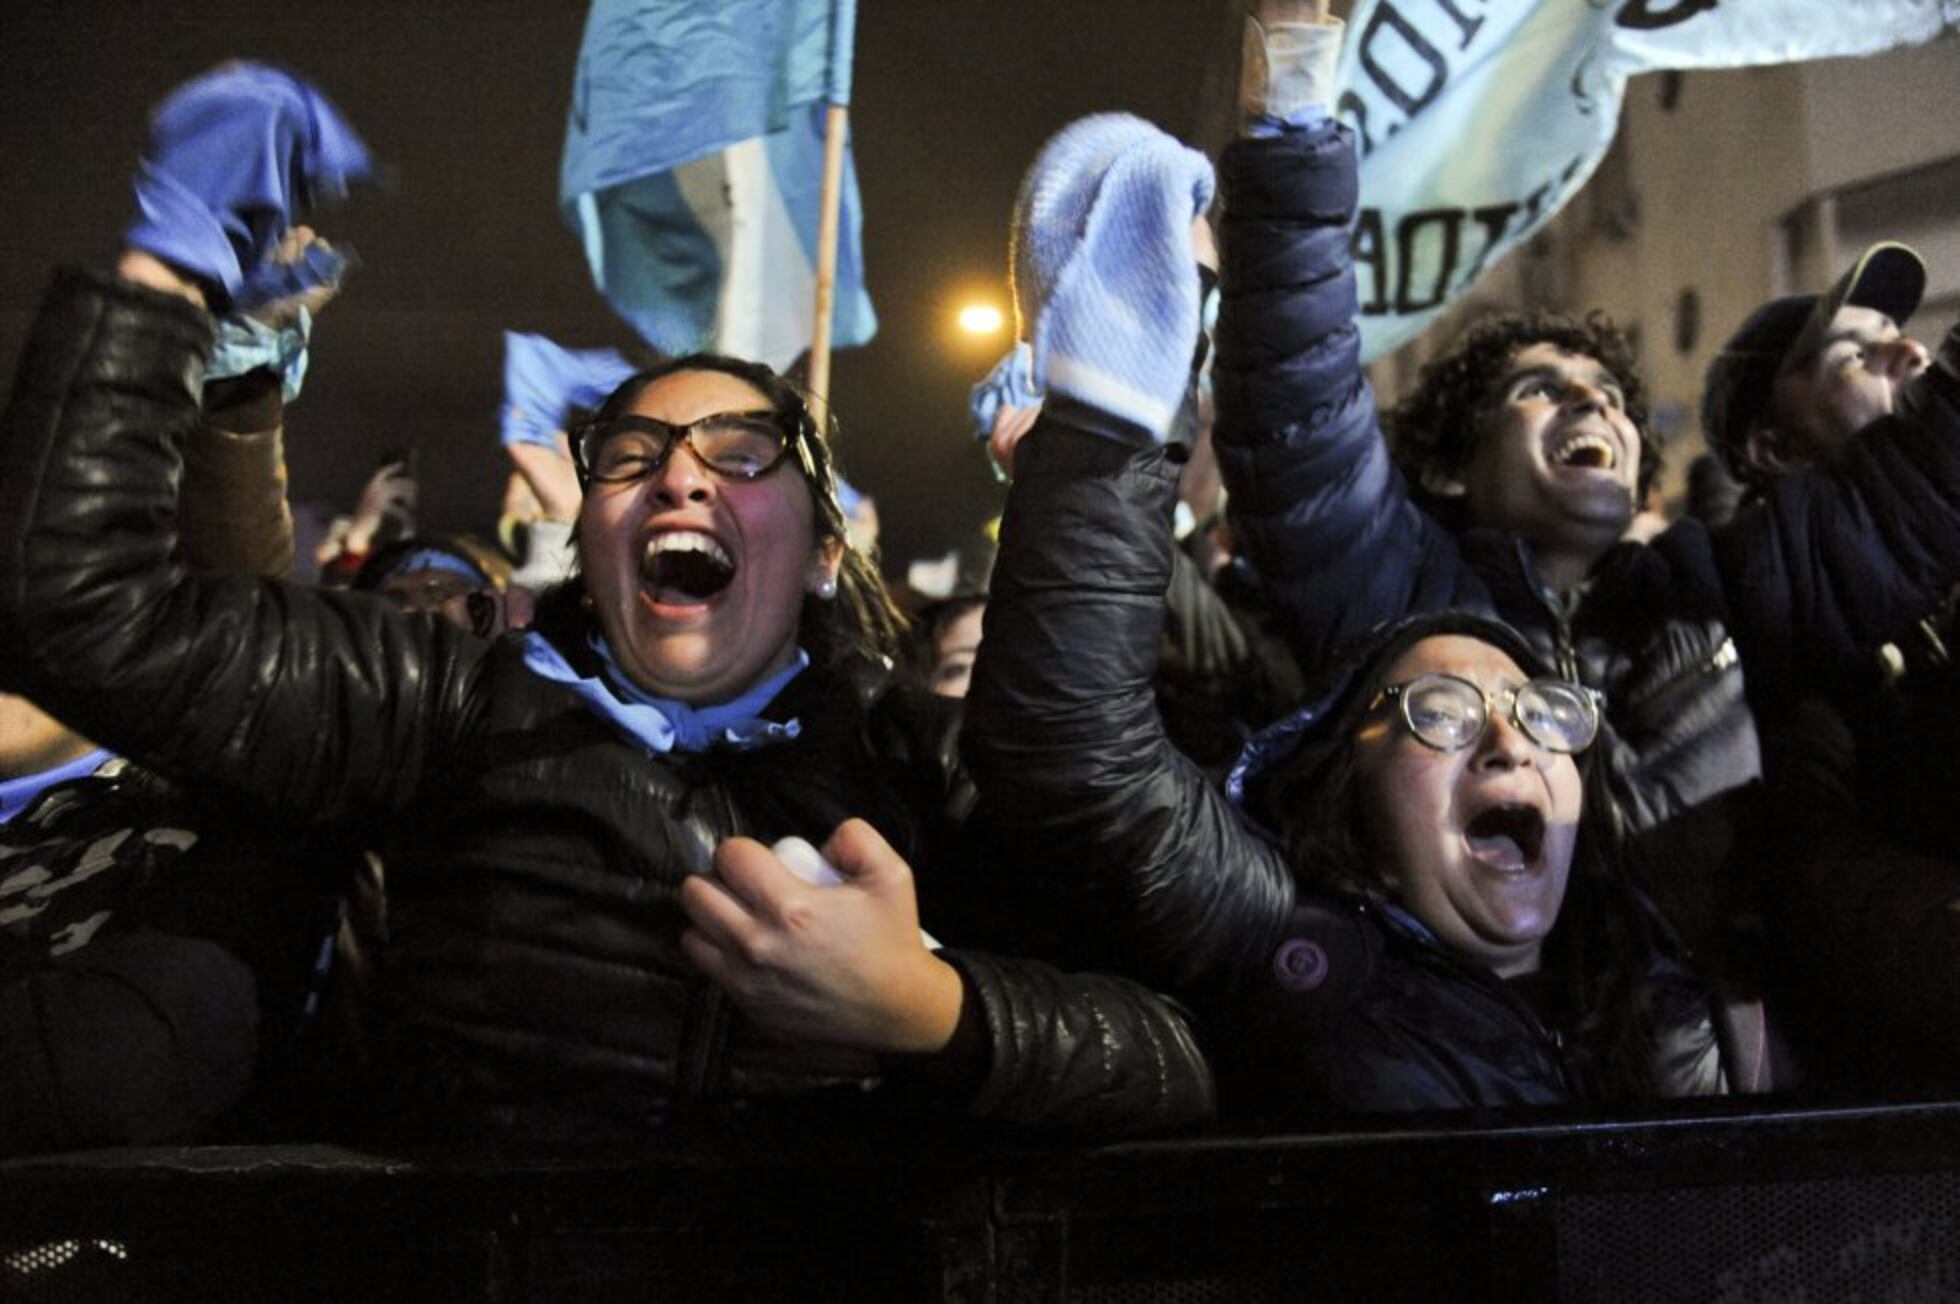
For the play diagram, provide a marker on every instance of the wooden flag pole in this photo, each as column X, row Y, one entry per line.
column 835, row 123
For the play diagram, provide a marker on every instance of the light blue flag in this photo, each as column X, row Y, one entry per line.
column 546, row 384
column 694, row 165
column 1478, row 122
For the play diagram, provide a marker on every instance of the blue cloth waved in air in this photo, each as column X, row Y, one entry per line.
column 545, row 384
column 233, row 157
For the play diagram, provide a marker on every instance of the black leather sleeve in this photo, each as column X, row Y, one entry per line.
column 319, row 705
column 1086, row 1055
column 1106, row 825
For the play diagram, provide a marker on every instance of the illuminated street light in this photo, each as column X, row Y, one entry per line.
column 980, row 319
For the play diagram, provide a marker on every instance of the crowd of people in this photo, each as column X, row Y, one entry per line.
column 1422, row 778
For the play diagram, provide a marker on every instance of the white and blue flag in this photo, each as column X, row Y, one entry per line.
column 1479, row 119
column 693, row 171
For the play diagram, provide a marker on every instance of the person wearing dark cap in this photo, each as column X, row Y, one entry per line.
column 1806, row 373
column 159, row 951
column 1861, row 774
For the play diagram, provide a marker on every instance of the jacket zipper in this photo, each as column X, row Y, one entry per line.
column 1548, row 1037
column 701, row 1068
column 1560, row 607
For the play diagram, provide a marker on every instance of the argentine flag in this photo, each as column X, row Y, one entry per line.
column 693, row 171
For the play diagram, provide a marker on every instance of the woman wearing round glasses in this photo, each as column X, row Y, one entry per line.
column 1466, row 940
column 1401, row 904
column 582, row 938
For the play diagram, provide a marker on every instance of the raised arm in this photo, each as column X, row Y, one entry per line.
column 1109, row 837
column 1832, row 563
column 1101, row 818
column 235, row 514
column 1318, row 507
column 324, row 707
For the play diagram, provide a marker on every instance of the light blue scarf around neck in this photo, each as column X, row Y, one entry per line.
column 660, row 724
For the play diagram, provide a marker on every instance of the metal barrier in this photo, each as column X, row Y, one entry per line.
column 1724, row 1203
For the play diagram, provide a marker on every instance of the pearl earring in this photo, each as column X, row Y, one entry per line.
column 827, row 587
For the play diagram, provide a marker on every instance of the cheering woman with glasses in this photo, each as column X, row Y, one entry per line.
column 1462, row 937
column 588, row 934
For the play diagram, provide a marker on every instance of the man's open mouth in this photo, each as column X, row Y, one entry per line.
column 684, row 567
column 1507, row 837
column 1585, row 451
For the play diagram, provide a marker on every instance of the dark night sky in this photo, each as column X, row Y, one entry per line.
column 465, row 103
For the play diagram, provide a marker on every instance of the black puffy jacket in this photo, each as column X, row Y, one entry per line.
column 1154, row 873
column 534, row 857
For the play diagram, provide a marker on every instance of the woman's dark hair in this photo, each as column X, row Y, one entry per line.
column 1597, row 953
column 861, row 622
column 1436, row 427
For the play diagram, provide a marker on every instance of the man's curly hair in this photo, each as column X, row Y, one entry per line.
column 1436, row 427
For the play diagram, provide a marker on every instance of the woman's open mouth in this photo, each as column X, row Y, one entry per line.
column 1507, row 838
column 684, row 568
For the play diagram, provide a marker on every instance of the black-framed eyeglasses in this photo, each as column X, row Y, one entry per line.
column 1448, row 712
column 733, row 445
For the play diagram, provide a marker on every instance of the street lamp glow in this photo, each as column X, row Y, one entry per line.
column 980, row 319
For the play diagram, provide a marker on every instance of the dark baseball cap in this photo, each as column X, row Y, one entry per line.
column 1888, row 277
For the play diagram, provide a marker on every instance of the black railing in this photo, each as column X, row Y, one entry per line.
column 1729, row 1203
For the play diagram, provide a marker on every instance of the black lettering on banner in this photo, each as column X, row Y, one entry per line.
column 1382, row 266
column 1494, row 218
column 1387, row 15
column 1407, row 232
column 1464, row 21
column 1534, row 204
column 1642, row 16
column 1582, row 98
column 1370, row 255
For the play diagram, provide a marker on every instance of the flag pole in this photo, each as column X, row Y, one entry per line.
column 835, row 123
